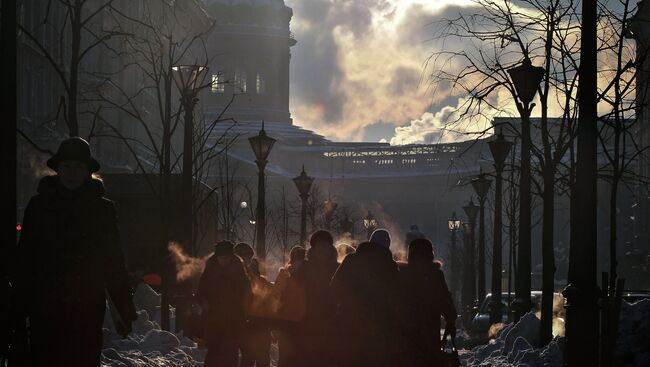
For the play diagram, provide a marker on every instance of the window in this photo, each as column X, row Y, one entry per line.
column 260, row 84
column 240, row 81
column 218, row 83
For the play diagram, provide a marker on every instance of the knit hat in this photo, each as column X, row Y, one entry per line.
column 74, row 149
column 224, row 248
column 381, row 237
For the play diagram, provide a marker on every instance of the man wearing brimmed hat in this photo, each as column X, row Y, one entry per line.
column 69, row 255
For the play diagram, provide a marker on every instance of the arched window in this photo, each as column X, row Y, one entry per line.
column 240, row 81
column 218, row 83
column 260, row 84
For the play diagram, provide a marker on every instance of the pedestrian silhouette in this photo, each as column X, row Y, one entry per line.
column 286, row 332
column 315, row 332
column 424, row 299
column 365, row 295
column 69, row 257
column 256, row 339
column 413, row 234
column 224, row 294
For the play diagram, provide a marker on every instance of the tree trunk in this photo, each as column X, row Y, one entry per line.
column 548, row 257
column 613, row 261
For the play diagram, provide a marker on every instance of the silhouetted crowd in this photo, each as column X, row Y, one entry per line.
column 368, row 310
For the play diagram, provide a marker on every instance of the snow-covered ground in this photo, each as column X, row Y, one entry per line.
column 148, row 345
column 513, row 345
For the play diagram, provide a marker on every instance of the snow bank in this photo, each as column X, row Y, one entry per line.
column 513, row 346
column 148, row 345
column 632, row 347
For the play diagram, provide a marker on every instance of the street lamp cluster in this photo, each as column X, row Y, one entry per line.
column 526, row 79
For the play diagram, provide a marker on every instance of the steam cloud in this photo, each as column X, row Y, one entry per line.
column 187, row 267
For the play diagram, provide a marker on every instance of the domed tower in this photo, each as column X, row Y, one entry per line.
column 250, row 51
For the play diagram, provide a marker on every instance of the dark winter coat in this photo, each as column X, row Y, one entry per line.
column 69, row 255
column 364, row 291
column 424, row 299
column 224, row 292
column 314, row 333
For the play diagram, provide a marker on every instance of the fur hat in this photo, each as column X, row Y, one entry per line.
column 74, row 149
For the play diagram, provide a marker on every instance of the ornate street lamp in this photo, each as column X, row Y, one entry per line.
column 329, row 207
column 261, row 145
column 468, row 297
column 303, row 184
column 369, row 223
column 500, row 149
column 526, row 79
column 481, row 186
column 453, row 224
column 189, row 80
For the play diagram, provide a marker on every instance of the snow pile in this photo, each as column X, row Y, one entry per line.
column 148, row 345
column 513, row 346
column 632, row 347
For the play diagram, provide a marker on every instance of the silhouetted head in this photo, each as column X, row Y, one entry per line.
column 381, row 237
column 244, row 250
column 321, row 238
column 420, row 251
column 224, row 248
column 297, row 254
column 73, row 163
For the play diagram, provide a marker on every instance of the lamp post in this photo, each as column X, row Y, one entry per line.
column 303, row 184
column 261, row 145
column 453, row 224
column 500, row 149
column 468, row 296
column 526, row 79
column 329, row 207
column 188, row 79
column 369, row 223
column 481, row 186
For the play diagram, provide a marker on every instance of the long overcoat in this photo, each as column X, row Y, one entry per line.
column 69, row 256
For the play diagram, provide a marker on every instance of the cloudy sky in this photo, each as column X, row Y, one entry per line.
column 358, row 71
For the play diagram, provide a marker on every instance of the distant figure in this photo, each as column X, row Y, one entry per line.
column 286, row 334
column 314, row 334
column 344, row 250
column 424, row 299
column 69, row 255
column 364, row 290
column 224, row 294
column 381, row 237
column 413, row 234
column 256, row 339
